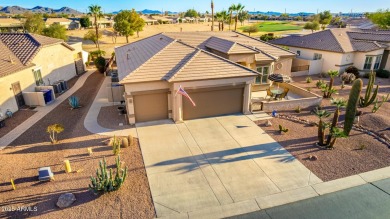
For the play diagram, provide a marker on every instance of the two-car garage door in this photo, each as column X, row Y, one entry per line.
column 209, row 102
column 213, row 102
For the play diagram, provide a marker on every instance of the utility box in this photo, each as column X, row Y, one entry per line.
column 43, row 96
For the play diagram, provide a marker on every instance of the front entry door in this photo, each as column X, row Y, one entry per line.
column 18, row 94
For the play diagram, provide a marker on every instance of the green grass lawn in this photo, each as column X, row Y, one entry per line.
column 269, row 26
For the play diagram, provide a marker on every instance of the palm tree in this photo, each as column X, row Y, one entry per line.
column 96, row 12
column 212, row 15
column 222, row 17
column 239, row 8
column 230, row 10
column 321, row 114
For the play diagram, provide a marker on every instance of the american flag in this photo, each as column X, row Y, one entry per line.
column 184, row 93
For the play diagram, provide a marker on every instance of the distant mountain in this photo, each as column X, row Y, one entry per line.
column 37, row 9
column 273, row 13
column 148, row 11
column 13, row 10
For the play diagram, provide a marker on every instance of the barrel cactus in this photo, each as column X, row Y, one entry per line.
column 352, row 106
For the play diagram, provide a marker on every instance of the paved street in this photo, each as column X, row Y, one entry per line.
column 366, row 201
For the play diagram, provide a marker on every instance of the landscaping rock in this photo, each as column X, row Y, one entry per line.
column 313, row 157
column 268, row 123
column 66, row 200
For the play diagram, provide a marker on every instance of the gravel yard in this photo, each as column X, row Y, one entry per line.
column 356, row 154
column 33, row 149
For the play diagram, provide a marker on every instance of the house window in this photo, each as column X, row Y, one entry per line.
column 377, row 62
column 262, row 79
column 368, row 63
column 299, row 53
column 317, row 56
column 38, row 77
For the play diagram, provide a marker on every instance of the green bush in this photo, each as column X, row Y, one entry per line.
column 382, row 73
column 309, row 80
column 100, row 64
column 352, row 69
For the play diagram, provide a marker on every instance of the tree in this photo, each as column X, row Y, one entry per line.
column 381, row 18
column 85, row 22
column 267, row 37
column 91, row 35
column 312, row 26
column 239, row 8
column 127, row 22
column 96, row 12
column 56, row 31
column 34, row 23
column 212, row 15
column 324, row 19
column 222, row 17
column 251, row 29
column 242, row 16
column 284, row 16
column 191, row 13
column 230, row 10
column 53, row 131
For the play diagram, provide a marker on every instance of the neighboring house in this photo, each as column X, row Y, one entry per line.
column 69, row 24
column 217, row 69
column 163, row 20
column 102, row 22
column 30, row 60
column 149, row 20
column 337, row 49
column 10, row 25
column 359, row 23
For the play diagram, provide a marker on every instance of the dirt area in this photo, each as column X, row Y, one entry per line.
column 348, row 157
column 32, row 150
column 17, row 118
column 107, row 44
column 109, row 117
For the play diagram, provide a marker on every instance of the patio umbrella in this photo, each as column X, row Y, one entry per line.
column 280, row 78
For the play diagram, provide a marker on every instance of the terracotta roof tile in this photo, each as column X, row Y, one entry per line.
column 9, row 63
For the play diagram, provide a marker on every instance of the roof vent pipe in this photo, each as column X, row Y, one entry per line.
column 11, row 60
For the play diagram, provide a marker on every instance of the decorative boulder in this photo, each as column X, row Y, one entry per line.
column 268, row 123
column 66, row 200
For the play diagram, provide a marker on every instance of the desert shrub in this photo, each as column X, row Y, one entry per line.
column 382, row 73
column 352, row 69
column 130, row 138
column 309, row 80
column 100, row 64
column 320, row 83
column 282, row 129
column 74, row 102
column 348, row 78
column 54, row 130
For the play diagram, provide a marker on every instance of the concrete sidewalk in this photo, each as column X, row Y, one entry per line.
column 216, row 166
column 41, row 112
column 361, row 202
column 91, row 119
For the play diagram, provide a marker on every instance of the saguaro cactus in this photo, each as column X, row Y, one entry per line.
column 352, row 105
column 368, row 99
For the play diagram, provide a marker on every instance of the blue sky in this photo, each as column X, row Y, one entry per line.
column 291, row 6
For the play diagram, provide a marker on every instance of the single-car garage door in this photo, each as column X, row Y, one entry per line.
column 213, row 102
column 149, row 107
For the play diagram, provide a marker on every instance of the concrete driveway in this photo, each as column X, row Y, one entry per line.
column 221, row 163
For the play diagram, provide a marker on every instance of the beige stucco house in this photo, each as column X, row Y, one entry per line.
column 29, row 60
column 67, row 23
column 217, row 69
column 337, row 49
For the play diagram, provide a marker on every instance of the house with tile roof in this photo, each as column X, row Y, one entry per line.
column 67, row 23
column 337, row 49
column 217, row 69
column 31, row 60
column 10, row 25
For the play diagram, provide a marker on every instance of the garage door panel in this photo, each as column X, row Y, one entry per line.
column 150, row 107
column 213, row 103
